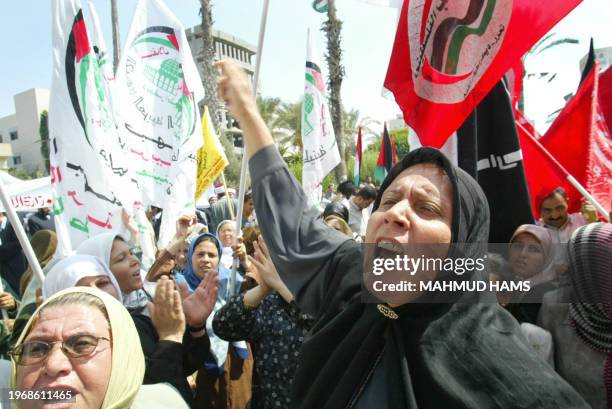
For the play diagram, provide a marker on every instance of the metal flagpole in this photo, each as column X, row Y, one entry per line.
column 243, row 168
column 21, row 235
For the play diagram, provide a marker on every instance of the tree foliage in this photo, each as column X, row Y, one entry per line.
column 43, row 131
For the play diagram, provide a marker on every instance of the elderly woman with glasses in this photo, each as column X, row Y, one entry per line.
column 81, row 347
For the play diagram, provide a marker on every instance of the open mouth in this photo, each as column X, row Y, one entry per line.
column 390, row 246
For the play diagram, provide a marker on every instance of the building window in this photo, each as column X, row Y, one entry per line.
column 17, row 160
column 13, row 135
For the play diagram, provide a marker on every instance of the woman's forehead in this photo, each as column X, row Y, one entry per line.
column 526, row 237
column 425, row 174
column 206, row 245
column 69, row 319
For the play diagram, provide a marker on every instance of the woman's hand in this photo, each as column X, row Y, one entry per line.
column 130, row 225
column 167, row 311
column 199, row 305
column 183, row 225
column 239, row 251
column 7, row 302
column 235, row 89
column 265, row 267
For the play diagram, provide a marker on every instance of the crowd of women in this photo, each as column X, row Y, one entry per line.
column 293, row 330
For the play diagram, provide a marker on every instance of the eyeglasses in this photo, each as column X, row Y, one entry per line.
column 76, row 346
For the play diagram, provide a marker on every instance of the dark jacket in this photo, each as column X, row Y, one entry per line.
column 12, row 260
column 169, row 361
column 468, row 355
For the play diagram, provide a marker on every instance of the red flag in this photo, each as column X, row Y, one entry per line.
column 543, row 172
column 605, row 95
column 448, row 55
column 580, row 141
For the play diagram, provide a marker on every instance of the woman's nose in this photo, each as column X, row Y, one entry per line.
column 57, row 363
column 397, row 215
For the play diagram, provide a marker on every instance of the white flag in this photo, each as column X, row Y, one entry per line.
column 99, row 45
column 88, row 170
column 157, row 87
column 320, row 154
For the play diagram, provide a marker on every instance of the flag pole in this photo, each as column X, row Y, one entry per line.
column 569, row 176
column 20, row 233
column 243, row 168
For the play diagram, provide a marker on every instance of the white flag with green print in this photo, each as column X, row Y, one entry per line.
column 320, row 153
column 157, row 89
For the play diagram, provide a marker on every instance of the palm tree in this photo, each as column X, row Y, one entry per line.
column 290, row 118
column 115, row 25
column 208, row 54
column 269, row 108
column 332, row 27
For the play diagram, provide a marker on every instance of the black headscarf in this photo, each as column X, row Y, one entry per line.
column 453, row 355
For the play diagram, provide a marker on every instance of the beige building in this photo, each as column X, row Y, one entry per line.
column 20, row 131
column 6, row 155
column 226, row 46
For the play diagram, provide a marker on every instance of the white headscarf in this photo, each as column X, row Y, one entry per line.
column 101, row 246
column 226, row 259
column 67, row 273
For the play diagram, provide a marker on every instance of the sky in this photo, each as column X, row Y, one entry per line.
column 367, row 39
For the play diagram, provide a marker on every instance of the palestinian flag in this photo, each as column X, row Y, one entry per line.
column 357, row 171
column 386, row 158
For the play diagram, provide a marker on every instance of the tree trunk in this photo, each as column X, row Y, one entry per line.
column 332, row 27
column 210, row 73
column 116, row 35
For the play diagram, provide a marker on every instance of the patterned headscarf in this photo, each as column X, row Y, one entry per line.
column 590, row 258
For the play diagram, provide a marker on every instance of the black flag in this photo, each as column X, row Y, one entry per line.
column 590, row 62
column 489, row 150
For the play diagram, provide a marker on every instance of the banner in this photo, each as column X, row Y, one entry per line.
column 89, row 174
column 99, row 46
column 157, row 90
column 211, row 156
column 29, row 195
column 448, row 55
column 320, row 154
